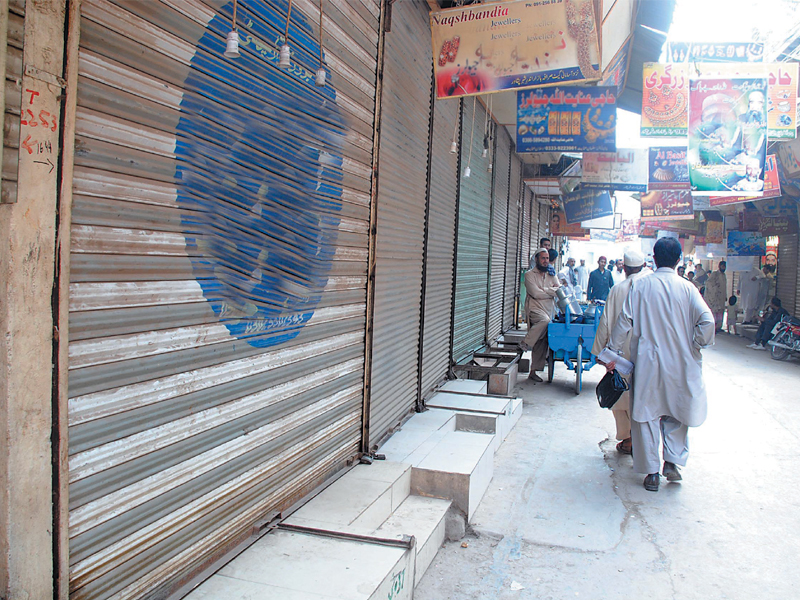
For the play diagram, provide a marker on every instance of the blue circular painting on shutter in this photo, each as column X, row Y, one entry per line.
column 259, row 155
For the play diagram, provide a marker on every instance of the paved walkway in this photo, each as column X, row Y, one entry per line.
column 566, row 517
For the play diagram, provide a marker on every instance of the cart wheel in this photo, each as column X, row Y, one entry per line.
column 578, row 369
column 551, row 365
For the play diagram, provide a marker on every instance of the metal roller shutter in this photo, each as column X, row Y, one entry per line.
column 218, row 279
column 499, row 233
column 474, row 224
column 12, row 98
column 788, row 284
column 525, row 250
column 440, row 247
column 402, row 187
column 512, row 248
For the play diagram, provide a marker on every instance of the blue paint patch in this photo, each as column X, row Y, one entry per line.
column 259, row 172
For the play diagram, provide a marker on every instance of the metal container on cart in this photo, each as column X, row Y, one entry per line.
column 572, row 343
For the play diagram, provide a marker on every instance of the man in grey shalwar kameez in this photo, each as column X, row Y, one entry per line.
column 670, row 323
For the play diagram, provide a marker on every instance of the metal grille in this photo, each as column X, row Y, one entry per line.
column 217, row 292
column 474, row 223
column 499, row 233
column 402, row 183
column 512, row 248
column 440, row 246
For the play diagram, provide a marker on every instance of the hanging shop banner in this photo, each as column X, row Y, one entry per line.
column 789, row 155
column 585, row 205
column 746, row 243
column 668, row 169
column 727, row 135
column 513, row 45
column 777, row 226
column 781, row 99
column 688, row 227
column 701, row 202
column 559, row 226
column 781, row 206
column 617, row 70
column 567, row 119
column 720, row 52
column 603, row 235
column 630, row 229
column 771, row 187
column 623, row 170
column 667, row 205
column 665, row 100
column 715, row 232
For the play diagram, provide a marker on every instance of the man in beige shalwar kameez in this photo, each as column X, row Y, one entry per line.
column 633, row 265
column 716, row 294
column 539, row 308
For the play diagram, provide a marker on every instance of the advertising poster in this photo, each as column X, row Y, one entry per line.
column 667, row 205
column 688, row 227
column 715, row 232
column 567, row 119
column 559, row 226
column 719, row 52
column 668, row 169
column 727, row 135
column 771, row 187
column 665, row 100
column 586, row 205
column 514, row 45
column 777, row 226
column 746, row 243
column 781, row 94
column 623, row 170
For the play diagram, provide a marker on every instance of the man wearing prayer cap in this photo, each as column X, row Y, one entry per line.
column 667, row 323
column 541, row 287
column 633, row 264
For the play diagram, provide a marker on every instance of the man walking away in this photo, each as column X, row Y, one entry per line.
column 750, row 284
column 774, row 314
column 717, row 293
column 633, row 264
column 540, row 305
column 669, row 324
column 583, row 276
column 600, row 282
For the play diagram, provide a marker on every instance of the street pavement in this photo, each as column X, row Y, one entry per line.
column 566, row 517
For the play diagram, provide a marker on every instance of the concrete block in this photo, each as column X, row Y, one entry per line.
column 502, row 383
column 463, row 402
column 346, row 500
column 524, row 365
column 476, row 423
column 465, row 385
column 458, row 469
column 424, row 518
column 455, row 527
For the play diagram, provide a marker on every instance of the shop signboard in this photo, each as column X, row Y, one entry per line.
column 688, row 227
column 585, row 205
column 771, row 187
column 665, row 100
column 746, row 243
column 715, row 232
column 667, row 205
column 777, row 226
column 668, row 169
column 717, row 52
column 495, row 47
column 727, row 135
column 623, row 170
column 617, row 70
column 559, row 226
column 567, row 119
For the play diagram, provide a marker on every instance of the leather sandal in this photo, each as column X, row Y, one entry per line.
column 625, row 446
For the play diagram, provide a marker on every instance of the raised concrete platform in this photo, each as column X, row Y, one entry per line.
column 470, row 386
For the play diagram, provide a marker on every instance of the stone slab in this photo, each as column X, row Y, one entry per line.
column 466, row 403
column 465, row 385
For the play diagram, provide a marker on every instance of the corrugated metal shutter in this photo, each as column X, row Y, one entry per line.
column 440, row 247
column 474, row 224
column 13, row 100
column 499, row 232
column 218, row 285
column 525, row 254
column 512, row 257
column 402, row 186
column 788, row 284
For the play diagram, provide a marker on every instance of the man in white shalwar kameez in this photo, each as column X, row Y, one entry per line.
column 750, row 286
column 669, row 324
column 634, row 269
column 716, row 294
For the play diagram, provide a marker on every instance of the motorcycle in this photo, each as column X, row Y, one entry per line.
column 785, row 338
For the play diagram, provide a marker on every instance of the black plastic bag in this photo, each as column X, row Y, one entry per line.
column 610, row 388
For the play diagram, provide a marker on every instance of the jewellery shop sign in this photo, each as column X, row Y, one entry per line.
column 513, row 45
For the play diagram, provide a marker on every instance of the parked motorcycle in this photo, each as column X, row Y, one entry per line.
column 785, row 338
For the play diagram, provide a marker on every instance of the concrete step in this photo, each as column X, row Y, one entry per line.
column 470, row 386
column 506, row 411
column 288, row 565
column 419, row 435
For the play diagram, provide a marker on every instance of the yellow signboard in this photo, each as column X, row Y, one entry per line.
column 521, row 44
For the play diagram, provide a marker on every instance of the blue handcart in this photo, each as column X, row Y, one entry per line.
column 572, row 343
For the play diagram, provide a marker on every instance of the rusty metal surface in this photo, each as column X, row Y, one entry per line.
column 219, row 253
column 402, row 169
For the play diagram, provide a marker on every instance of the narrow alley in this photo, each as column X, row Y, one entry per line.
column 566, row 517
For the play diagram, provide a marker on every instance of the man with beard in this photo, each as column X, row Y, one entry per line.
column 540, row 305
column 716, row 293
column 750, row 182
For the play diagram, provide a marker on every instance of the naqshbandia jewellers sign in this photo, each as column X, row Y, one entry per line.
column 513, row 45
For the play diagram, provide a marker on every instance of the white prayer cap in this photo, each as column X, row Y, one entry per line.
column 633, row 258
column 540, row 250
